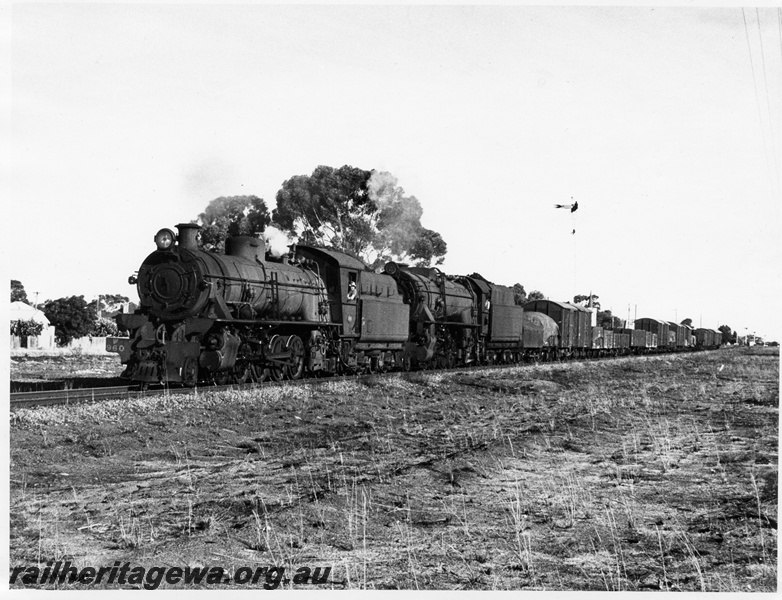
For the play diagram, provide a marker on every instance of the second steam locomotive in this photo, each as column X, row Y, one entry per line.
column 246, row 316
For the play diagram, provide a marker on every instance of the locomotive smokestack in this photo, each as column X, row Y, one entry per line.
column 187, row 235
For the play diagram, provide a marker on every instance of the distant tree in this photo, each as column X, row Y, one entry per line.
column 687, row 322
column 427, row 246
column 535, row 295
column 519, row 295
column 331, row 207
column 363, row 213
column 113, row 299
column 608, row 321
column 727, row 336
column 109, row 304
column 103, row 328
column 71, row 317
column 17, row 292
column 594, row 303
column 232, row 215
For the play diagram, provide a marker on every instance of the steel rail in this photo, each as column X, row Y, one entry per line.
column 87, row 395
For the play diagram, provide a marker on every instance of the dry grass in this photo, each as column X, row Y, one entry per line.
column 632, row 474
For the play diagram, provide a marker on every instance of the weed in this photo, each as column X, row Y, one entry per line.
column 519, row 526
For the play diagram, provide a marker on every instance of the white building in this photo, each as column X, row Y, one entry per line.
column 24, row 312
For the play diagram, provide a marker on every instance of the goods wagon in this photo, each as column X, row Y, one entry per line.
column 660, row 328
column 567, row 317
column 681, row 334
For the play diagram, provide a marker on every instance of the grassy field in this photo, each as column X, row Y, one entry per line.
column 656, row 473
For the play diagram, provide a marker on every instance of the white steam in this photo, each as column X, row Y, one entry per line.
column 277, row 241
column 398, row 217
column 383, row 189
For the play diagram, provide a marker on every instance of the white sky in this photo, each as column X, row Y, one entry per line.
column 128, row 118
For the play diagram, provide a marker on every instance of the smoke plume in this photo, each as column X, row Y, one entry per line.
column 382, row 188
column 277, row 241
column 398, row 216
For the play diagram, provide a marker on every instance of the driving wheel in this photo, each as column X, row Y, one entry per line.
column 295, row 367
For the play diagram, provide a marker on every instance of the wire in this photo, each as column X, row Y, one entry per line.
column 757, row 99
column 768, row 101
column 779, row 25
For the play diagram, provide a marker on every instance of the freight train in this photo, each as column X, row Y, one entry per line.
column 244, row 315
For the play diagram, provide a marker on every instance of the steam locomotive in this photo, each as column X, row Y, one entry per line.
column 244, row 315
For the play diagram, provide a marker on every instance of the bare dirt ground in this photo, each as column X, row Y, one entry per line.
column 655, row 473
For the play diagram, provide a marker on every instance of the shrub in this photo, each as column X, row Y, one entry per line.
column 104, row 327
column 25, row 328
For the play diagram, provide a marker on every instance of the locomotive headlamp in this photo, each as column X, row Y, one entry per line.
column 164, row 239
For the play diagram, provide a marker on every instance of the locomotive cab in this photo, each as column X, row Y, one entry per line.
column 368, row 307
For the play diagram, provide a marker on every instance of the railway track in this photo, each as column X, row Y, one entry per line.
column 87, row 395
column 97, row 394
column 77, row 396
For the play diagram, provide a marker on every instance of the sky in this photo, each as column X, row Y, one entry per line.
column 663, row 123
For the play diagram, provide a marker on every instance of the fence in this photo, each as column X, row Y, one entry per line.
column 88, row 345
column 36, row 342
